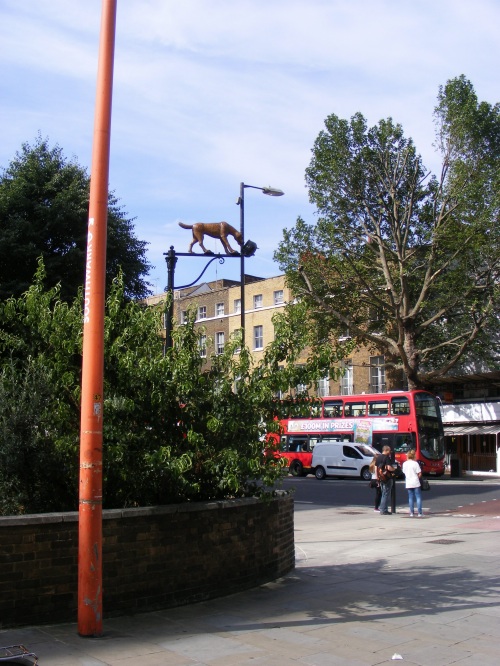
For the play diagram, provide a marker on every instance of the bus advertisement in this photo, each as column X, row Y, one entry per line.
column 403, row 420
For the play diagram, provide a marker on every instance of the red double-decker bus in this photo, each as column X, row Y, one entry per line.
column 402, row 419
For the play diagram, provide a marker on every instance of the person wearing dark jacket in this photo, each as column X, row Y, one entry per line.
column 385, row 469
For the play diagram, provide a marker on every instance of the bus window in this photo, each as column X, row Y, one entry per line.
column 355, row 409
column 378, row 408
column 316, row 410
column 404, row 443
column 297, row 444
column 400, row 405
column 313, row 441
column 426, row 404
column 431, row 447
column 381, row 439
column 332, row 409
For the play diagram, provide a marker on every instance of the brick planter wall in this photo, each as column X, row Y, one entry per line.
column 153, row 557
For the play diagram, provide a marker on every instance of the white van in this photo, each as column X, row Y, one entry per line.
column 342, row 459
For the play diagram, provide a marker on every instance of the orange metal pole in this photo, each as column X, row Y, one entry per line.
column 90, row 508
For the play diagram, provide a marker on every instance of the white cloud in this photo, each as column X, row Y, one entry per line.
column 209, row 92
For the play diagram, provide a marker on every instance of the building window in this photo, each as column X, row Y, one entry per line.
column 279, row 395
column 345, row 335
column 219, row 309
column 300, row 388
column 377, row 374
column 237, row 305
column 258, row 337
column 323, row 386
column 219, row 342
column 237, row 337
column 202, row 343
column 202, row 312
column 184, row 316
column 346, row 382
column 257, row 301
column 278, row 297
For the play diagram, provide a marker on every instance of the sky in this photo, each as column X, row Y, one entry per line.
column 211, row 93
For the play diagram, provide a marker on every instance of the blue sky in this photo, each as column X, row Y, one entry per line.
column 210, row 93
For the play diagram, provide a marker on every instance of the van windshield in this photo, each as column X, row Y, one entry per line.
column 366, row 450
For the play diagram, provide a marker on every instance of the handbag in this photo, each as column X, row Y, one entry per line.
column 424, row 484
column 373, row 483
column 384, row 474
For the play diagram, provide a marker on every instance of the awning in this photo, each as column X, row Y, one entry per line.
column 471, row 430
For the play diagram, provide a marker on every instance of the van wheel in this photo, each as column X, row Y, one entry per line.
column 319, row 473
column 366, row 475
column 296, row 468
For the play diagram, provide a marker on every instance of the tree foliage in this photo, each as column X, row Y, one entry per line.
column 406, row 261
column 44, row 213
column 173, row 430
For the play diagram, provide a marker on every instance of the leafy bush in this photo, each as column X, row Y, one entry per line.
column 34, row 472
column 174, row 431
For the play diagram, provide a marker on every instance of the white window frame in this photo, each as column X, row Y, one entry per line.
column 258, row 337
column 257, row 301
column 202, row 312
column 202, row 344
column 278, row 297
column 219, row 309
column 300, row 388
column 377, row 374
column 323, row 386
column 346, row 380
column 237, row 306
column 219, row 342
column 346, row 335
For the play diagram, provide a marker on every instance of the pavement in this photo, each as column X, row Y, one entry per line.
column 367, row 589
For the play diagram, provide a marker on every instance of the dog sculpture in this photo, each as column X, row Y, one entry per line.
column 220, row 230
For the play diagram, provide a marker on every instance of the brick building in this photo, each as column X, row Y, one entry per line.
column 217, row 306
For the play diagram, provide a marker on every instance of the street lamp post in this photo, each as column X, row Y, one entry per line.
column 247, row 252
column 171, row 259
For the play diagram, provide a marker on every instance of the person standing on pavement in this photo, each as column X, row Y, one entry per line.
column 385, row 469
column 413, row 474
column 375, row 484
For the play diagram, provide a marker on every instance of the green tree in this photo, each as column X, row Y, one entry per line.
column 173, row 430
column 406, row 261
column 34, row 469
column 44, row 213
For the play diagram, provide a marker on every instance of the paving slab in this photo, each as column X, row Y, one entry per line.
column 365, row 588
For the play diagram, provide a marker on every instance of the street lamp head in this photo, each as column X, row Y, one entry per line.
column 272, row 191
column 249, row 249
